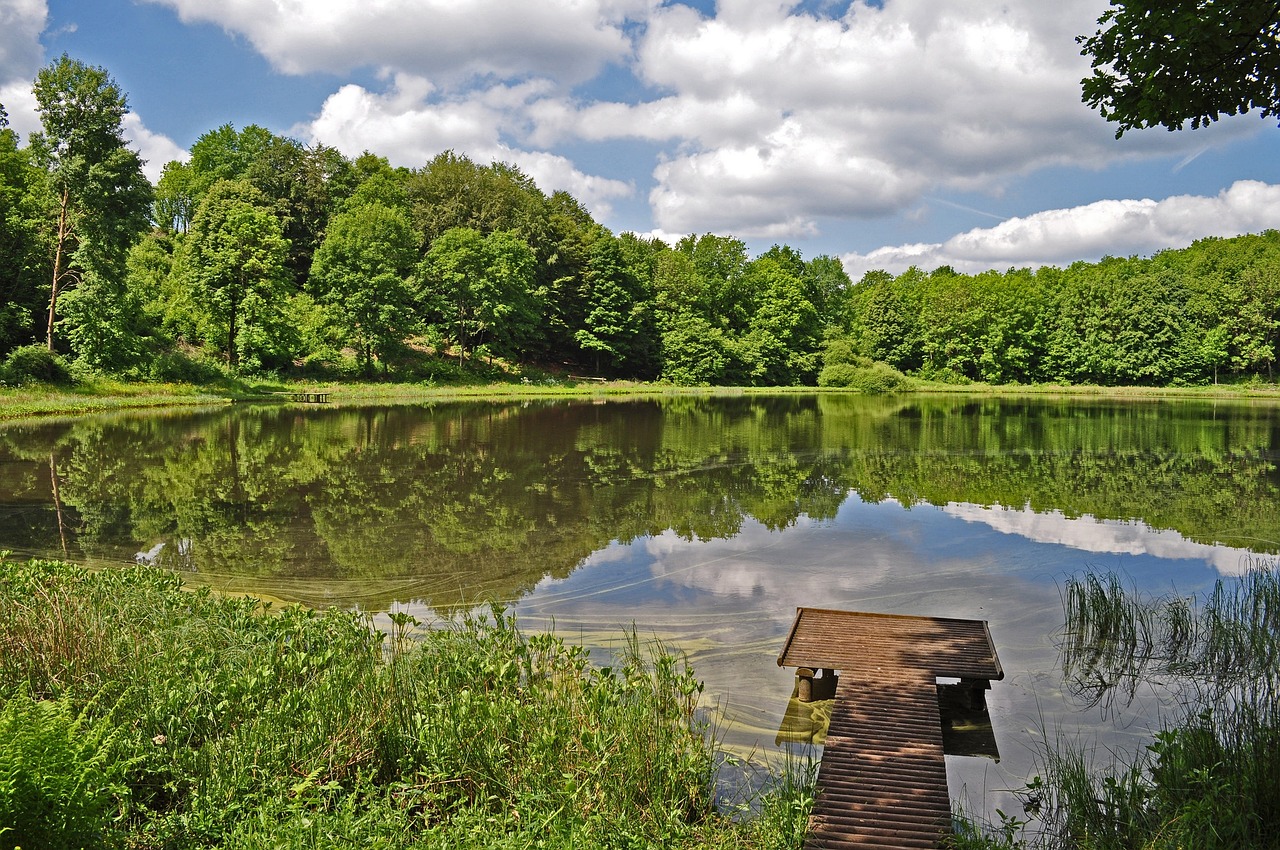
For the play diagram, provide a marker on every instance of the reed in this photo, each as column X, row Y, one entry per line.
column 1211, row 776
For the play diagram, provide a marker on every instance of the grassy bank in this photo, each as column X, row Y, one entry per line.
column 101, row 395
column 135, row 713
column 98, row 396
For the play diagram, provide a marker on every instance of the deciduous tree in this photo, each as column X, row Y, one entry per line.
column 1166, row 62
column 615, row 330
column 22, row 266
column 234, row 259
column 481, row 289
column 360, row 273
column 99, row 195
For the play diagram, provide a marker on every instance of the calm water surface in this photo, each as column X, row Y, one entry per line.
column 704, row 522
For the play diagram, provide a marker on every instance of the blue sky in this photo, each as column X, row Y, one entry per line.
column 889, row 134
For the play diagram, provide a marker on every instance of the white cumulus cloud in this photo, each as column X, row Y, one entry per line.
column 1088, row 232
column 156, row 150
column 1090, row 534
column 455, row 39
column 21, row 22
column 774, row 118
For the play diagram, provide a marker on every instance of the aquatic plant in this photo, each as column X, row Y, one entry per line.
column 1116, row 639
column 1210, row 778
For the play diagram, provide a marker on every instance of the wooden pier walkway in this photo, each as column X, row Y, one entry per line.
column 882, row 782
column 305, row 397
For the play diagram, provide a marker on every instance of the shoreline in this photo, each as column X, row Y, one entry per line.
column 42, row 401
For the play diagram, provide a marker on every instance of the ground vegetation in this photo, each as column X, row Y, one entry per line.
column 136, row 713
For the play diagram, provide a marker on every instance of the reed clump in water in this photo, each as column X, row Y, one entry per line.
column 1116, row 639
column 1211, row 777
column 207, row 721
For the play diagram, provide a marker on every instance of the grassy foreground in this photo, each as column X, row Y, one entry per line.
column 135, row 713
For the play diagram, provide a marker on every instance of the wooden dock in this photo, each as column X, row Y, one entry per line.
column 883, row 778
column 305, row 397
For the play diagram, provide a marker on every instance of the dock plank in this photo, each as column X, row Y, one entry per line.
column 882, row 781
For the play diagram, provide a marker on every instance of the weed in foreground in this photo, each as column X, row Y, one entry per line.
column 233, row 724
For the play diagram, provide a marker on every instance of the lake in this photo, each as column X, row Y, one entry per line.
column 702, row 521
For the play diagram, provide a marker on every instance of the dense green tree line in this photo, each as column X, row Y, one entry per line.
column 262, row 254
column 1190, row 316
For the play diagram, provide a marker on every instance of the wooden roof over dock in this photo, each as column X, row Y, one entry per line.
column 883, row 778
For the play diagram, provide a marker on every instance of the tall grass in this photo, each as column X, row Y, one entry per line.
column 233, row 724
column 1211, row 776
column 1116, row 639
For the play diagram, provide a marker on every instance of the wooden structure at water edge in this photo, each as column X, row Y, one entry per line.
column 882, row 782
column 306, row 397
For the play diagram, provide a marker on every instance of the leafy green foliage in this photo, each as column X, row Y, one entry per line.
column 453, row 192
column 35, row 363
column 177, row 367
column 873, row 378
column 1163, row 64
column 360, row 274
column 1178, row 318
column 481, row 290
column 95, row 183
column 239, row 726
column 233, row 262
column 23, row 260
column 843, row 367
column 617, row 330
column 694, row 352
column 62, row 779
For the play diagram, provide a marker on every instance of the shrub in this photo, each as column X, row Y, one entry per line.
column 176, row 367
column 873, row 379
column 943, row 375
column 434, row 370
column 32, row 363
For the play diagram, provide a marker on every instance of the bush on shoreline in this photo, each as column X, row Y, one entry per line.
column 35, row 364
column 224, row 722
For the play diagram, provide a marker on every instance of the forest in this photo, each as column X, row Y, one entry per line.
column 262, row 255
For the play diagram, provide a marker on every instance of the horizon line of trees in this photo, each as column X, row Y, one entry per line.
column 262, row 254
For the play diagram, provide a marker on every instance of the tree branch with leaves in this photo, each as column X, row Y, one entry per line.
column 1166, row 62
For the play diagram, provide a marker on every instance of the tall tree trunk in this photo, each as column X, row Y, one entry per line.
column 64, row 233
column 233, row 358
